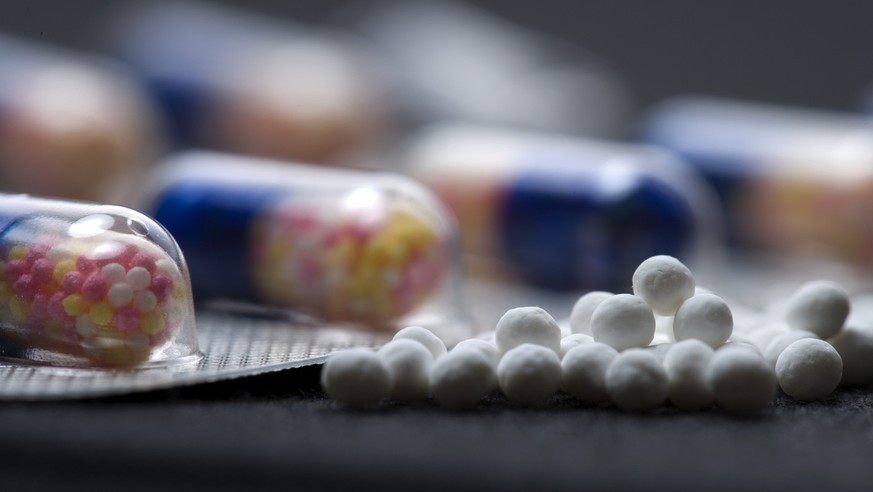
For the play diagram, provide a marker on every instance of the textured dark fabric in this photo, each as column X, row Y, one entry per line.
column 279, row 432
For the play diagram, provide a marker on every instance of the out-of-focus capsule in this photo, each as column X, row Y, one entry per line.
column 789, row 179
column 452, row 61
column 337, row 245
column 235, row 81
column 71, row 126
column 91, row 285
column 565, row 213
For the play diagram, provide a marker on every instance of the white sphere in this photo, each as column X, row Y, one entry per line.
column 580, row 316
column 636, row 381
column 573, row 340
column 763, row 334
column 664, row 283
column 741, row 380
column 706, row 317
column 529, row 324
column 488, row 349
column 529, row 374
column 686, row 364
column 855, row 346
column 623, row 321
column 809, row 369
column 356, row 377
column 583, row 372
column 422, row 335
column 819, row 306
column 461, row 379
column 780, row 342
column 409, row 363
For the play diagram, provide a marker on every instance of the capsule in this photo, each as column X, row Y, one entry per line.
column 89, row 285
column 561, row 212
column 454, row 61
column 71, row 125
column 790, row 179
column 232, row 80
column 334, row 245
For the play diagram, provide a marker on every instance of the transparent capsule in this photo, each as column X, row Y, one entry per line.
column 71, row 125
column 790, row 179
column 91, row 285
column 561, row 212
column 334, row 245
column 232, row 80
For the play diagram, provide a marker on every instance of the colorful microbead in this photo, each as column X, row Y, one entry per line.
column 108, row 302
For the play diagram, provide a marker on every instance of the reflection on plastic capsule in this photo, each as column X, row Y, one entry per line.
column 335, row 244
column 564, row 213
column 235, row 81
column 91, row 285
column 71, row 126
column 789, row 179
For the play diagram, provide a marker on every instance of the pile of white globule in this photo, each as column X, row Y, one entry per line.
column 669, row 341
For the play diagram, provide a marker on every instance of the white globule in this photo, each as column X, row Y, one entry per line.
column 741, row 380
column 855, row 346
column 409, row 363
column 422, row 335
column 780, row 342
column 686, row 364
column 580, row 316
column 529, row 374
column 809, row 369
column 819, row 306
column 636, row 381
column 583, row 372
column 528, row 324
column 357, row 377
column 705, row 317
column 488, row 349
column 623, row 321
column 573, row 340
column 461, row 379
column 763, row 334
column 664, row 283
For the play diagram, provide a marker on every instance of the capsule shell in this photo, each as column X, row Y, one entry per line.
column 560, row 212
column 337, row 245
column 91, row 286
column 71, row 125
column 789, row 179
column 236, row 81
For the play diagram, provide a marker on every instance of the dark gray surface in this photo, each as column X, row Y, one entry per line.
column 279, row 432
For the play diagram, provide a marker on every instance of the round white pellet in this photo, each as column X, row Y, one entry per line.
column 580, row 316
column 763, row 334
column 529, row 324
column 145, row 301
column 529, row 373
column 659, row 350
column 623, row 321
column 120, row 294
column 409, row 363
column 685, row 364
column 636, row 381
column 583, row 372
column 356, row 377
column 425, row 337
column 855, row 346
column 820, row 306
column 809, row 369
column 489, row 350
column 741, row 380
column 139, row 278
column 461, row 379
column 664, row 283
column 780, row 342
column 705, row 317
column 573, row 340
column 113, row 273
